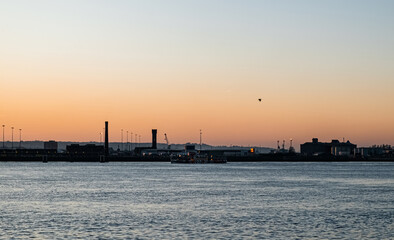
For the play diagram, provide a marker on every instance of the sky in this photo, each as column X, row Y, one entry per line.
column 323, row 69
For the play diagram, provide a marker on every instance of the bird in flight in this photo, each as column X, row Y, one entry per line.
column 259, row 99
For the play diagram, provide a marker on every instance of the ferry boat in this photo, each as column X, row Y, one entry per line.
column 192, row 156
column 197, row 158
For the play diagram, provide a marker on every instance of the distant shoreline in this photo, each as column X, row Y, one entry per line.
column 256, row 158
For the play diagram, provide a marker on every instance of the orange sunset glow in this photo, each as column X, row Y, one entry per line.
column 140, row 67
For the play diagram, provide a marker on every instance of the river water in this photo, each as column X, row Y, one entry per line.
column 174, row 201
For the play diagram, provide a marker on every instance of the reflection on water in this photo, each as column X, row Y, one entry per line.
column 160, row 200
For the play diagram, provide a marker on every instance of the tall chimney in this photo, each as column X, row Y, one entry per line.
column 154, row 138
column 106, row 147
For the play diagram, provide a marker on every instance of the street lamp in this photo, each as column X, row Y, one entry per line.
column 12, row 137
column 3, row 136
column 103, row 135
column 200, row 139
column 127, row 140
column 131, row 141
column 20, row 138
column 121, row 138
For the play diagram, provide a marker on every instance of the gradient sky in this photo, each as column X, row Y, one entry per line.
column 323, row 69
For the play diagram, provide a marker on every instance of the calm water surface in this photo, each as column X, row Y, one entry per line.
column 164, row 201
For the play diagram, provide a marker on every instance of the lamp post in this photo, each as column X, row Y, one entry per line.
column 127, row 140
column 200, row 139
column 103, row 134
column 131, row 141
column 12, row 137
column 3, row 136
column 121, row 138
column 20, row 138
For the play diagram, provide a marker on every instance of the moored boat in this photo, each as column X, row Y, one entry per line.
column 197, row 158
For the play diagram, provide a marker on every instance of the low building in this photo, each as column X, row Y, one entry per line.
column 28, row 151
column 51, row 145
column 315, row 148
column 85, row 150
column 335, row 148
column 375, row 151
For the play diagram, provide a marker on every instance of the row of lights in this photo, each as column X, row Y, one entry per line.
column 12, row 137
column 20, row 137
column 127, row 138
column 137, row 137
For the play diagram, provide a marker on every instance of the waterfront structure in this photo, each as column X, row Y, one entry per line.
column 334, row 148
column 85, row 150
column 154, row 138
column 190, row 147
column 106, row 144
column 375, row 151
column 12, row 137
column 20, row 138
column 3, row 136
column 51, row 144
column 190, row 155
column 30, row 152
column 147, row 150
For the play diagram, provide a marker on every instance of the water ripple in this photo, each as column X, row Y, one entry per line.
column 164, row 201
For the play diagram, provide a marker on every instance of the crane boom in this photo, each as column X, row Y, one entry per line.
column 166, row 139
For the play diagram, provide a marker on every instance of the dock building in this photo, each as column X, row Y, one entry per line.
column 335, row 148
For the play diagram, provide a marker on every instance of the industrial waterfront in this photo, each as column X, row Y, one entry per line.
column 309, row 152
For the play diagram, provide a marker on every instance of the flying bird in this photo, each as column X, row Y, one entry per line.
column 259, row 99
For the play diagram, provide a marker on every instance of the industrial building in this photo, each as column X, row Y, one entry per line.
column 375, row 151
column 310, row 151
column 51, row 145
column 149, row 150
column 28, row 151
column 85, row 150
column 334, row 148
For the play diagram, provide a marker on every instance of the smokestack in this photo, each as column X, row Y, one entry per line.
column 154, row 138
column 106, row 148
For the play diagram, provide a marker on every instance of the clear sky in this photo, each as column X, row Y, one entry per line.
column 322, row 68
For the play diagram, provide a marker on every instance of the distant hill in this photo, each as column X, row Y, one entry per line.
column 116, row 145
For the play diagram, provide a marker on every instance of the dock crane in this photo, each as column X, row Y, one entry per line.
column 166, row 139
